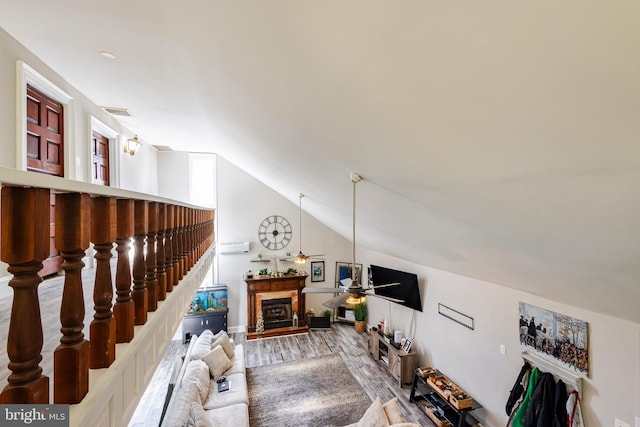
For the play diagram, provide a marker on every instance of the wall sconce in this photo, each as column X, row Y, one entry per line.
column 131, row 145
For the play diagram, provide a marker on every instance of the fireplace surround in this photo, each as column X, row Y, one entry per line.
column 278, row 293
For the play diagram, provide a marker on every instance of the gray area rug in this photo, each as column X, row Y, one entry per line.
column 309, row 392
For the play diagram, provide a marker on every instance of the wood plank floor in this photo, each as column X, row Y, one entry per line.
column 341, row 338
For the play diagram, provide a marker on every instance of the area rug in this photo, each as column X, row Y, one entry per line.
column 309, row 392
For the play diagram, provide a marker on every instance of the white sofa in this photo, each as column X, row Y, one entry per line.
column 195, row 399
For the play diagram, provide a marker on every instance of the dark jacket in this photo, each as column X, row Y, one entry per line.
column 560, row 419
column 541, row 410
column 517, row 390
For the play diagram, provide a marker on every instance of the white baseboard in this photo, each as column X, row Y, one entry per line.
column 236, row 329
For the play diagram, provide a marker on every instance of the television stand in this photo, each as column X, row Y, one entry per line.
column 398, row 362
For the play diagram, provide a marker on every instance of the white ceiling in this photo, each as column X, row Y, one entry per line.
column 497, row 139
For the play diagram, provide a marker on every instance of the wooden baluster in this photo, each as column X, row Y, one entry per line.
column 71, row 357
column 25, row 244
column 175, row 248
column 150, row 279
column 103, row 327
column 168, row 248
column 181, row 242
column 139, row 292
column 161, row 274
column 123, row 310
column 188, row 240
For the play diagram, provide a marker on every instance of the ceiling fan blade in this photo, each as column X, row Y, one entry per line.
column 386, row 285
column 336, row 302
column 383, row 297
column 308, row 290
column 346, row 282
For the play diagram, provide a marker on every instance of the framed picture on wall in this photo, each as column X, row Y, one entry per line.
column 343, row 271
column 317, row 271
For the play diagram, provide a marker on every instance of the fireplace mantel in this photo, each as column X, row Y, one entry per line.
column 266, row 285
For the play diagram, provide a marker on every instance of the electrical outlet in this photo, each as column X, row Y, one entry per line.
column 503, row 349
column 620, row 423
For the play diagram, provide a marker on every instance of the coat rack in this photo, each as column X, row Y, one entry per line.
column 568, row 377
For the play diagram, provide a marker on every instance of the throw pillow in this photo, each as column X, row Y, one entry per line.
column 374, row 416
column 226, row 344
column 392, row 411
column 198, row 372
column 217, row 361
column 200, row 416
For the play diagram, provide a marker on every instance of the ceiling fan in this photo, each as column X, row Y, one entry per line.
column 350, row 290
column 301, row 258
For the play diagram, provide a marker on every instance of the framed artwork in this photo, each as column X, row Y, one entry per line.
column 343, row 271
column 317, row 271
column 561, row 339
column 407, row 345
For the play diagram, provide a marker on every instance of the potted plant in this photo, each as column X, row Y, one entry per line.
column 360, row 313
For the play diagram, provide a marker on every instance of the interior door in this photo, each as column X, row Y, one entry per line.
column 100, row 159
column 45, row 134
column 45, row 154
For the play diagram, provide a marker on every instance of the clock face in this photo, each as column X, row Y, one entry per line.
column 274, row 232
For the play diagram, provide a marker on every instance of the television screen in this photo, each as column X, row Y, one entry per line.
column 407, row 290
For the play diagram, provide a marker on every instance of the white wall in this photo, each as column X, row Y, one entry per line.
column 243, row 202
column 473, row 359
column 173, row 179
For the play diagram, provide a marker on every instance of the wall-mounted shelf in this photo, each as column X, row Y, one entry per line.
column 260, row 260
column 569, row 378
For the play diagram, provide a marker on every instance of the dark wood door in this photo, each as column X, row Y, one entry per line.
column 100, row 159
column 52, row 264
column 45, row 134
column 45, row 154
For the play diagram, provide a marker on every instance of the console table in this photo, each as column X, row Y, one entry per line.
column 439, row 410
column 397, row 361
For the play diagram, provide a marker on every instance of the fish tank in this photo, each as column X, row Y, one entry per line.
column 209, row 300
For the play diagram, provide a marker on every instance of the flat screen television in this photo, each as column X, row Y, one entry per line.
column 408, row 289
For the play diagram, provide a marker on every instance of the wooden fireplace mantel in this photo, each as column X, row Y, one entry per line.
column 267, row 284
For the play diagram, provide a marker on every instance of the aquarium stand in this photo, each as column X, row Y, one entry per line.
column 195, row 324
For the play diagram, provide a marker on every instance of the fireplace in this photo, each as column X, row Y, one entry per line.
column 278, row 298
column 277, row 313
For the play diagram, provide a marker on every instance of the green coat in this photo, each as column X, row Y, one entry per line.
column 518, row 420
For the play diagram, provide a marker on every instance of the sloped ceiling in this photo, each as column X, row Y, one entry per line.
column 497, row 139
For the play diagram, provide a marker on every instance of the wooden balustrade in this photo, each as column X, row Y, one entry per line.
column 103, row 327
column 176, row 238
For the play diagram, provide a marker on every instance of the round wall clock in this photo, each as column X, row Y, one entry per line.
column 274, row 232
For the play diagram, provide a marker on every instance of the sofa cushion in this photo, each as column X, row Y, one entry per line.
column 207, row 333
column 201, row 347
column 178, row 411
column 239, row 366
column 374, row 416
column 392, row 411
column 198, row 373
column 225, row 343
column 198, row 417
column 236, row 415
column 237, row 393
column 217, row 361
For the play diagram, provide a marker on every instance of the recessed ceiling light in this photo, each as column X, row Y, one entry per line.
column 108, row 55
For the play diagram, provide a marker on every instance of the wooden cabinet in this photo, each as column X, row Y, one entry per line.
column 398, row 362
column 195, row 324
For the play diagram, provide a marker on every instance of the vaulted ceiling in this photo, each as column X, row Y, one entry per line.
column 497, row 139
